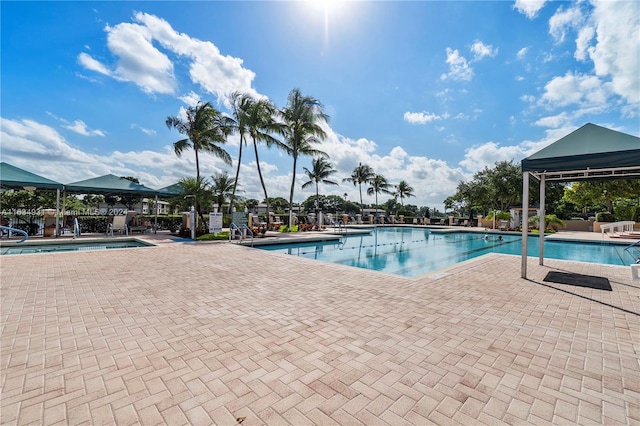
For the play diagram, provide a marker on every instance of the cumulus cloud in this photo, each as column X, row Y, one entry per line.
column 139, row 60
column 564, row 20
column 529, row 8
column 583, row 91
column 459, row 68
column 481, row 50
column 615, row 50
column 420, row 117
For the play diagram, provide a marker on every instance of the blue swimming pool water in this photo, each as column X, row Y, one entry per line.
column 414, row 251
column 70, row 246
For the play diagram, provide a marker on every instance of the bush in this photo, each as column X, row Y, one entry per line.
column 224, row 235
column 605, row 217
column 624, row 212
column 285, row 228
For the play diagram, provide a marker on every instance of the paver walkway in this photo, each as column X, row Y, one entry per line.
column 222, row 334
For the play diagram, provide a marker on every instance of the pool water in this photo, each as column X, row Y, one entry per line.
column 26, row 248
column 414, row 251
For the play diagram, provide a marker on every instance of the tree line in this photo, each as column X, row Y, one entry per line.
column 499, row 188
column 295, row 129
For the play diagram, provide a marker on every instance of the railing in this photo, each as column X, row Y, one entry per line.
column 241, row 230
column 635, row 246
column 339, row 224
column 17, row 231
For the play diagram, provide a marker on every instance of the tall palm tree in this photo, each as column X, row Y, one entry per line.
column 361, row 174
column 240, row 103
column 261, row 122
column 320, row 171
column 222, row 188
column 302, row 117
column 205, row 128
column 404, row 190
column 378, row 184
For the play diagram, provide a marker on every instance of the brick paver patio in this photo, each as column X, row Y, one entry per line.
column 223, row 334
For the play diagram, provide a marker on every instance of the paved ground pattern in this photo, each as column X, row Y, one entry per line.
column 216, row 333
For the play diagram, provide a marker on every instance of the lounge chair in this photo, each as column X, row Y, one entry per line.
column 118, row 224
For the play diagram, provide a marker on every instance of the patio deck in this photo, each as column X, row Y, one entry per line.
column 218, row 333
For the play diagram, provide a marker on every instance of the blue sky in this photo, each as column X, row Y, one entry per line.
column 426, row 92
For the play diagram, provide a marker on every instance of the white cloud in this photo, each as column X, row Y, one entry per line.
column 91, row 64
column 191, row 99
column 81, row 128
column 459, row 69
column 420, row 117
column 562, row 21
column 584, row 91
column 142, row 129
column 615, row 52
column 522, row 53
column 141, row 62
column 530, row 8
column 480, row 50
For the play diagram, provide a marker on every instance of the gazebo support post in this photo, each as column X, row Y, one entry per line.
column 541, row 223
column 525, row 221
column 155, row 228
column 57, row 213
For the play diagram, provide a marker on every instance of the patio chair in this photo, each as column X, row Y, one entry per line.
column 118, row 224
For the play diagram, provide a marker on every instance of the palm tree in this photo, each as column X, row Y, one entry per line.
column 222, row 188
column 205, row 128
column 261, row 123
column 320, row 171
column 361, row 174
column 240, row 103
column 302, row 117
column 193, row 191
column 404, row 190
column 378, row 184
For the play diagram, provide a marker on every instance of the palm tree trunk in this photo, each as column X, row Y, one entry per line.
column 361, row 205
column 293, row 184
column 235, row 183
column 197, row 163
column 317, row 199
column 264, row 188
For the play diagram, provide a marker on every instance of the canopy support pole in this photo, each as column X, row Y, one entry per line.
column 57, row 212
column 542, row 222
column 525, row 222
column 155, row 227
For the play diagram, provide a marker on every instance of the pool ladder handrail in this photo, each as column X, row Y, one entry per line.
column 637, row 246
column 340, row 225
column 240, row 228
column 17, row 231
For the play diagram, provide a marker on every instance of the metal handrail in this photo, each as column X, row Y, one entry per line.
column 339, row 224
column 17, row 231
column 637, row 246
column 243, row 227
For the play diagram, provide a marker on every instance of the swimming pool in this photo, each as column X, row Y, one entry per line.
column 414, row 251
column 39, row 247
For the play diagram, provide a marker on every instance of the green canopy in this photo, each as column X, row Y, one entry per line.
column 171, row 190
column 589, row 147
column 110, row 184
column 12, row 177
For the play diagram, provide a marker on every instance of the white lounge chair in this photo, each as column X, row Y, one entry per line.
column 118, row 224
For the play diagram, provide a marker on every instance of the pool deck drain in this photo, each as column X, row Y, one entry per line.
column 213, row 333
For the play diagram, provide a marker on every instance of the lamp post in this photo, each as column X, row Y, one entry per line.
column 192, row 216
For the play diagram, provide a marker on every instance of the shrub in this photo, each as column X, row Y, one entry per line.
column 224, row 235
column 605, row 217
